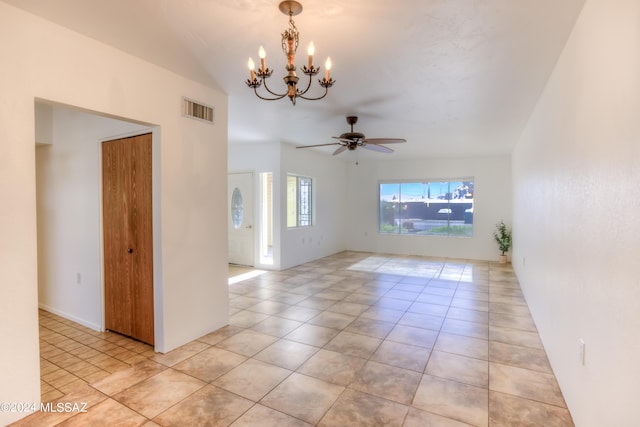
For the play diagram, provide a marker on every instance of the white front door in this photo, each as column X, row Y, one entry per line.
column 240, row 222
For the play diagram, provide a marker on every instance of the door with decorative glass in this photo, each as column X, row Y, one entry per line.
column 240, row 222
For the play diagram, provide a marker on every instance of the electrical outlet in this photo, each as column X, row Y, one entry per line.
column 78, row 278
column 582, row 351
column 524, row 261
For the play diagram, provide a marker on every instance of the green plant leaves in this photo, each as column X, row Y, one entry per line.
column 502, row 236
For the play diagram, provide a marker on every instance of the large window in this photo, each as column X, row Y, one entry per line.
column 442, row 208
column 299, row 201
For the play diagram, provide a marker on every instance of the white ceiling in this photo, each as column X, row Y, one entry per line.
column 453, row 77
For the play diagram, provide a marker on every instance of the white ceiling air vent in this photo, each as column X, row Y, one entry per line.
column 197, row 110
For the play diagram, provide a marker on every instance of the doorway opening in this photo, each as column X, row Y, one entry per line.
column 68, row 207
column 266, row 218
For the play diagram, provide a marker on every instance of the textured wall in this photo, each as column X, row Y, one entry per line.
column 576, row 252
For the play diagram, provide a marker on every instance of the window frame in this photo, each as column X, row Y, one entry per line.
column 458, row 229
column 304, row 201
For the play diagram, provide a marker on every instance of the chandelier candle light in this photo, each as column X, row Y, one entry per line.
column 289, row 47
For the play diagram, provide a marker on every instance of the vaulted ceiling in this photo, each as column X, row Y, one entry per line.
column 453, row 77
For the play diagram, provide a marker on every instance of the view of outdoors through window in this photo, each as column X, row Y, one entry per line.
column 443, row 208
column 299, row 201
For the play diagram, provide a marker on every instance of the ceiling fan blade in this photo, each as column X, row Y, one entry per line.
column 376, row 147
column 340, row 150
column 383, row 140
column 318, row 145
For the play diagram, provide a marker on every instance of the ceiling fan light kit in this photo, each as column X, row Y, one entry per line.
column 352, row 140
column 290, row 40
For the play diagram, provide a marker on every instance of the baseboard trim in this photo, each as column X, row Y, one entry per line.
column 71, row 317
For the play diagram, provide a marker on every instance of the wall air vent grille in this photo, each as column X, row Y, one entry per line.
column 197, row 110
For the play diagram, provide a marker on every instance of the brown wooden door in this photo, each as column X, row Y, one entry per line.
column 128, row 239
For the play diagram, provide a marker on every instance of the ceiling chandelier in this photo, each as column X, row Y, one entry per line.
column 289, row 47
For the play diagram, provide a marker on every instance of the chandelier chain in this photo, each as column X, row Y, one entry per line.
column 290, row 34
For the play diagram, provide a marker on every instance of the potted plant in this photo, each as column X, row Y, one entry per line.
column 503, row 238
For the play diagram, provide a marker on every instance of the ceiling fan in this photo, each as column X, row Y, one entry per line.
column 352, row 140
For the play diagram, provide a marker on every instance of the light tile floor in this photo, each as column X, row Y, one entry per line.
column 72, row 355
column 354, row 339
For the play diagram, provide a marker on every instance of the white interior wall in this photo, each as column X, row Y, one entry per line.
column 327, row 235
column 492, row 203
column 260, row 158
column 347, row 203
column 295, row 246
column 53, row 63
column 576, row 174
column 68, row 182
